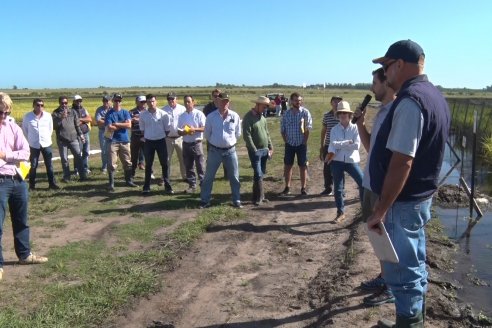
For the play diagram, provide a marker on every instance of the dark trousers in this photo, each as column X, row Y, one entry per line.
column 136, row 149
column 13, row 192
column 193, row 156
column 150, row 148
column 328, row 177
column 34, row 159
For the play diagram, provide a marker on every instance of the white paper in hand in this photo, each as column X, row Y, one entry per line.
column 382, row 245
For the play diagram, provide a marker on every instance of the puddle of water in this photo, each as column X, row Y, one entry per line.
column 474, row 258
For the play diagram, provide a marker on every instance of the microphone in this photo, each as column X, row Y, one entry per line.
column 366, row 100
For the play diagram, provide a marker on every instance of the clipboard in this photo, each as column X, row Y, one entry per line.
column 382, row 245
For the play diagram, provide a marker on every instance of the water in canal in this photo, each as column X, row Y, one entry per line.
column 474, row 258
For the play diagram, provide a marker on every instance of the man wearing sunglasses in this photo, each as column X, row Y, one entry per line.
column 38, row 128
column 404, row 168
column 67, row 126
column 14, row 149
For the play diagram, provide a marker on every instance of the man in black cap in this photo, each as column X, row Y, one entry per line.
column 117, row 123
column 404, row 169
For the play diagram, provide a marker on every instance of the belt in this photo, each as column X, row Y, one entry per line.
column 193, row 142
column 9, row 177
column 222, row 148
column 173, row 137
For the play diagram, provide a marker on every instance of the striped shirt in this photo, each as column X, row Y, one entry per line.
column 329, row 121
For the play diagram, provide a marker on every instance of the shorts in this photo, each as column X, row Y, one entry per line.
column 292, row 151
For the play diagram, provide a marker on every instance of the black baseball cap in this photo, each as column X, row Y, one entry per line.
column 407, row 50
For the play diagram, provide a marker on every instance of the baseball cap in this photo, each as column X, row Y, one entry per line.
column 141, row 98
column 171, row 95
column 407, row 50
column 223, row 96
column 117, row 96
column 106, row 98
column 77, row 97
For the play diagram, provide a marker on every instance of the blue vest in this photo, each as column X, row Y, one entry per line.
column 424, row 174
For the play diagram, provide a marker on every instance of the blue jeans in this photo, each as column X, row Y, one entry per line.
column 229, row 159
column 34, row 159
column 337, row 169
column 13, row 192
column 407, row 279
column 63, row 147
column 85, row 148
column 258, row 162
column 104, row 150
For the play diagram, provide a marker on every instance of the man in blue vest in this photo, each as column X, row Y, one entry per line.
column 404, row 169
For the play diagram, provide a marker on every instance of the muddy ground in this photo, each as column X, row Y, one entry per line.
column 286, row 264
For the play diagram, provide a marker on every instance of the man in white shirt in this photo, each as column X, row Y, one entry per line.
column 191, row 125
column 173, row 140
column 154, row 124
column 38, row 128
column 222, row 130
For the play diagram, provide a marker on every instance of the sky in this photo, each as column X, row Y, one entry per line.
column 89, row 43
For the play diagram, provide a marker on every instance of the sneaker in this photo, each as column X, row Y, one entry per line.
column 169, row 190
column 104, row 171
column 88, row 171
column 54, row 186
column 326, row 192
column 384, row 295
column 303, row 191
column 237, row 205
column 145, row 192
column 204, row 205
column 33, row 259
column 286, row 191
column 190, row 190
column 152, row 176
column 340, row 217
column 373, row 284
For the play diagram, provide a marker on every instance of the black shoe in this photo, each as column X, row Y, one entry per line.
column 303, row 192
column 204, row 205
column 379, row 298
column 237, row 205
column 169, row 190
column 286, row 191
column 326, row 192
column 54, row 186
column 146, row 192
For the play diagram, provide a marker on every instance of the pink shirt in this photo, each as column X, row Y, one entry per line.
column 14, row 145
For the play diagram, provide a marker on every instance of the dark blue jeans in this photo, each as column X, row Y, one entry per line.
column 34, row 159
column 258, row 162
column 13, row 192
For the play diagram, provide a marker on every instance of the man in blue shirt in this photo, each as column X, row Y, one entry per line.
column 222, row 130
column 117, row 123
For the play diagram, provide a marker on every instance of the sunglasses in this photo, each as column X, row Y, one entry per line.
column 116, row 100
column 2, row 113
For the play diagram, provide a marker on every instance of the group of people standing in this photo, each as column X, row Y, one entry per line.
column 405, row 150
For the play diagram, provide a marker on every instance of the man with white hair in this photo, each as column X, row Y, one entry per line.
column 14, row 194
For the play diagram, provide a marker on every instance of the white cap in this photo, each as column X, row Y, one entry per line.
column 77, row 97
column 141, row 98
